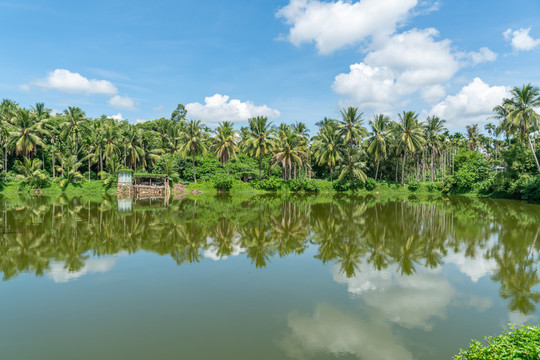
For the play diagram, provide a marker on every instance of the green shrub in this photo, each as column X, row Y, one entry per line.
column 520, row 343
column 310, row 186
column 271, row 184
column 434, row 186
column 413, row 186
column 293, row 185
column 370, row 184
column 348, row 185
column 223, row 183
column 532, row 190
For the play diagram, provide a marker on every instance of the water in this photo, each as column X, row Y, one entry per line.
column 263, row 278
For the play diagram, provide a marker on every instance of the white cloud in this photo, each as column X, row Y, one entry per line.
column 70, row 82
column 403, row 65
column 122, row 102
column 520, row 39
column 219, row 108
column 329, row 331
column 473, row 103
column 484, row 54
column 60, row 274
column 333, row 25
column 117, row 117
column 433, row 93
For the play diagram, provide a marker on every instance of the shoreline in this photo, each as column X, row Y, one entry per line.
column 98, row 190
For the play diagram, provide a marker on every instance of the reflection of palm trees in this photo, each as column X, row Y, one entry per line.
column 225, row 238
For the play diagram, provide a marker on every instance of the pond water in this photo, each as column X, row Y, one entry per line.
column 263, row 278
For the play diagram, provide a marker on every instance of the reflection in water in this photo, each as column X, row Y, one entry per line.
column 329, row 330
column 371, row 242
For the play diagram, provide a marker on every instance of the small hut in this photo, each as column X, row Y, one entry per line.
column 142, row 185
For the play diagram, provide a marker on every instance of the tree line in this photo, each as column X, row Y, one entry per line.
column 37, row 145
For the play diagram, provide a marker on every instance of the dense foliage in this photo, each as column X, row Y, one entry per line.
column 521, row 343
column 37, row 148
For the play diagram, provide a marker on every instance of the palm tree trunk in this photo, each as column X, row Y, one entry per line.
column 260, row 166
column 100, row 159
column 397, row 168
column 331, row 173
column 88, row 167
column 53, row 166
column 227, row 168
column 193, row 159
column 377, row 170
column 403, row 168
column 534, row 154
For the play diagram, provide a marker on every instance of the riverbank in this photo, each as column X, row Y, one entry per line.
column 100, row 189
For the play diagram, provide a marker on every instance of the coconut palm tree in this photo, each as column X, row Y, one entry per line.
column 261, row 139
column 350, row 126
column 433, row 129
column 224, row 142
column 377, row 145
column 193, row 141
column 75, row 125
column 353, row 166
column 523, row 115
column 24, row 131
column 328, row 147
column 410, row 135
column 290, row 151
column 472, row 134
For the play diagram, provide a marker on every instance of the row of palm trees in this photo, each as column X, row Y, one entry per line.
column 64, row 143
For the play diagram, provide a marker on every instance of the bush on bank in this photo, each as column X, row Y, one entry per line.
column 516, row 343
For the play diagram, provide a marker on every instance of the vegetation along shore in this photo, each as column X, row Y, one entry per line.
column 46, row 153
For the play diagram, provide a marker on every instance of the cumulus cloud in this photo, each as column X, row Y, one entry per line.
column 60, row 274
column 521, row 39
column 404, row 64
column 473, row 103
column 122, row 102
column 118, row 117
column 70, row 82
column 333, row 25
column 220, row 108
column 484, row 54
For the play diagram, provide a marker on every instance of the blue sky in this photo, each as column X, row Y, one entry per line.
column 294, row 60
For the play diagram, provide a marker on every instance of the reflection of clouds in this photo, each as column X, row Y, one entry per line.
column 59, row 274
column 518, row 318
column 481, row 304
column 212, row 252
column 410, row 301
column 330, row 331
column 475, row 268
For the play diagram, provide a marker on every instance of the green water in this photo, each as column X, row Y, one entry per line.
column 263, row 278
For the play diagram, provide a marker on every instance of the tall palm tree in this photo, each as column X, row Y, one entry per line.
column 328, row 147
column 289, row 151
column 410, row 135
column 353, row 166
column 24, row 131
column 377, row 144
column 433, row 129
column 193, row 141
column 261, row 138
column 75, row 125
column 224, row 143
column 350, row 126
column 523, row 115
column 472, row 134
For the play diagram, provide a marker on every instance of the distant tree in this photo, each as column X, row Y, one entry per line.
column 179, row 114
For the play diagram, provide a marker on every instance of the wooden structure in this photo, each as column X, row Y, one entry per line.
column 142, row 185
